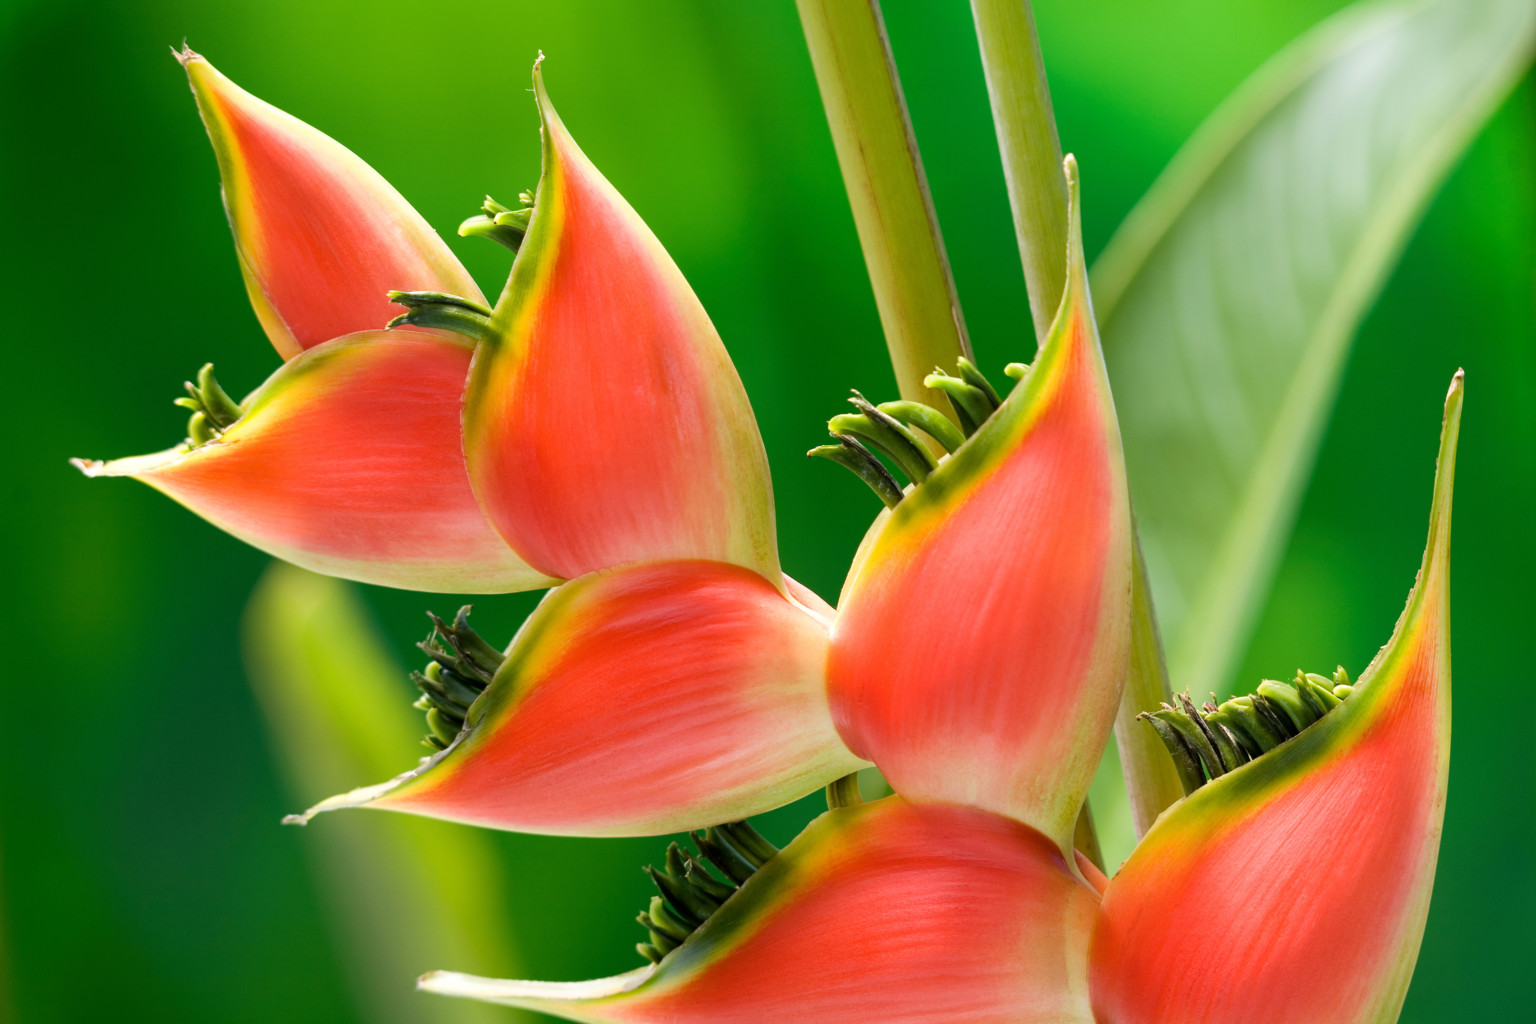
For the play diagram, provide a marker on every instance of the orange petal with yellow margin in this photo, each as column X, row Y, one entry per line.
column 637, row 701
column 347, row 461
column 888, row 912
column 320, row 235
column 982, row 639
column 1296, row 887
column 604, row 422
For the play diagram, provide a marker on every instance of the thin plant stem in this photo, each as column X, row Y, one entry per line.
column 892, row 209
column 1031, row 150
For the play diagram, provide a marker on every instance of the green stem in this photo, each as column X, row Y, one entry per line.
column 1085, row 837
column 1151, row 778
column 1031, row 150
column 1037, row 191
column 883, row 174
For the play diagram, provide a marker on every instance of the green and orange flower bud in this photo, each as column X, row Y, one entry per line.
column 344, row 462
column 1295, row 887
column 894, row 912
column 636, row 701
column 322, row 238
column 604, row 422
column 983, row 635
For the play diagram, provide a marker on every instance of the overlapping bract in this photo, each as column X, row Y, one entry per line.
column 982, row 639
column 596, row 431
column 605, row 423
column 342, row 463
column 1314, row 864
column 651, row 698
column 891, row 911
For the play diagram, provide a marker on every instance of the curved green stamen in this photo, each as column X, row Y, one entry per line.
column 927, row 419
column 443, row 311
column 970, row 402
column 849, row 453
column 887, row 434
column 213, row 411
column 501, row 224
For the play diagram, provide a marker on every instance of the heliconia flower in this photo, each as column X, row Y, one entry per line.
column 1295, row 887
column 983, row 635
column 889, row 911
column 635, row 701
column 321, row 237
column 604, row 422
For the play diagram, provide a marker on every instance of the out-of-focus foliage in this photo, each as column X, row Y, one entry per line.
column 145, row 875
column 402, row 893
column 1229, row 297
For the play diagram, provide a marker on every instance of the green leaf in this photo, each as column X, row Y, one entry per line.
column 405, row 895
column 1228, row 299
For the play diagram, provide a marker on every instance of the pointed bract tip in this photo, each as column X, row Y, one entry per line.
column 496, row 990
column 1069, row 168
column 90, row 467
column 186, row 54
column 1458, row 384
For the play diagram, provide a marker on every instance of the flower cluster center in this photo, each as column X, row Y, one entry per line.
column 462, row 666
column 689, row 892
column 888, row 428
column 213, row 411
column 1208, row 741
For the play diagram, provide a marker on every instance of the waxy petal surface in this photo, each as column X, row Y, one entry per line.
column 347, row 461
column 892, row 912
column 604, row 423
column 1296, row 887
column 982, row 641
column 637, row 701
column 320, row 235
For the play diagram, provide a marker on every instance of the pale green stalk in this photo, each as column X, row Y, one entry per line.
column 1037, row 191
column 883, row 174
column 1026, row 136
column 1151, row 783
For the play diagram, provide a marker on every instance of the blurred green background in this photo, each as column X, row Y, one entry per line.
column 144, row 872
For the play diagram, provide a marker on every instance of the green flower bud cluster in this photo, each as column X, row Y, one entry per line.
column 213, row 411
column 888, row 428
column 462, row 666
column 689, row 893
column 499, row 223
column 1209, row 741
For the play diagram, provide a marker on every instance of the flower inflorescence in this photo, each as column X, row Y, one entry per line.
column 1210, row 740
column 462, row 666
column 889, row 429
column 689, row 893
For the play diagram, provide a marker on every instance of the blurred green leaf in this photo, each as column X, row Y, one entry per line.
column 1229, row 297
column 406, row 895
